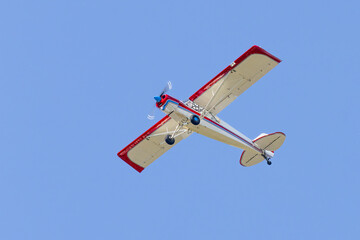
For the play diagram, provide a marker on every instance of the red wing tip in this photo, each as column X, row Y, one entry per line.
column 256, row 49
column 125, row 158
column 241, row 158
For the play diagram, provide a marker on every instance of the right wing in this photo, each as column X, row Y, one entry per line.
column 151, row 145
column 235, row 79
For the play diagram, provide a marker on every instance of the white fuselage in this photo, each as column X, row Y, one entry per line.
column 210, row 126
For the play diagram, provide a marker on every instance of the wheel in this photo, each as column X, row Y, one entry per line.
column 169, row 140
column 195, row 119
column 269, row 162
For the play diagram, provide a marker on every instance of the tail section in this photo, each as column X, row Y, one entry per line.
column 269, row 143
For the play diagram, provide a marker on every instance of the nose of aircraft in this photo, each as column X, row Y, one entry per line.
column 157, row 99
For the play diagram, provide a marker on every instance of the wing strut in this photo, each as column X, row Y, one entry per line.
column 213, row 95
column 221, row 99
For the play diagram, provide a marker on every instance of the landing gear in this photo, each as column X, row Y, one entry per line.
column 267, row 159
column 194, row 119
column 169, row 140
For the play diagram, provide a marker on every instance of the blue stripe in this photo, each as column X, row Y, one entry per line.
column 163, row 108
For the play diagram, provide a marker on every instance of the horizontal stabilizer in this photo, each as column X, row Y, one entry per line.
column 250, row 158
column 268, row 142
column 271, row 141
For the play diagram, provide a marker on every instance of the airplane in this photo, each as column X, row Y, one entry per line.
column 199, row 114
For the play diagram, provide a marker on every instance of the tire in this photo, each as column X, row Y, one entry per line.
column 194, row 119
column 169, row 140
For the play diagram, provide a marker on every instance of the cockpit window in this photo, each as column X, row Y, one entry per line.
column 198, row 108
column 194, row 106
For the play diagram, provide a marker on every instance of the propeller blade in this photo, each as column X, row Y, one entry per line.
column 169, row 85
column 167, row 88
column 151, row 115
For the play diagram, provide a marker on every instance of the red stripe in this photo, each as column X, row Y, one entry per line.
column 168, row 97
column 123, row 154
column 253, row 50
column 234, row 134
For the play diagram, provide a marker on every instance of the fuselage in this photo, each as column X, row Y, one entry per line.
column 210, row 125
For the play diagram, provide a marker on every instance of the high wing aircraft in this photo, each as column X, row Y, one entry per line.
column 199, row 114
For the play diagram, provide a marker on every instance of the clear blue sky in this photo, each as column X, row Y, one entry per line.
column 78, row 79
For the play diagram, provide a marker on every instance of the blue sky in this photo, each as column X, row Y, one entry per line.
column 78, row 79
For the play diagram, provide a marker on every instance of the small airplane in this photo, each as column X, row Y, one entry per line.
column 199, row 114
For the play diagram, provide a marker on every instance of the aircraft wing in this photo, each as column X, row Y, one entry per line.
column 235, row 79
column 151, row 144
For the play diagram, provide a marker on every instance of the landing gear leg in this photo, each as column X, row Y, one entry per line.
column 170, row 138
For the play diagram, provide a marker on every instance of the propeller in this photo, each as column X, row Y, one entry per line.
column 168, row 87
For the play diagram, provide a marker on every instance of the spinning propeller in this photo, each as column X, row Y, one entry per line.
column 167, row 88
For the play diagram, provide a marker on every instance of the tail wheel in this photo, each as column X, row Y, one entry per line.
column 267, row 159
column 195, row 119
column 169, row 140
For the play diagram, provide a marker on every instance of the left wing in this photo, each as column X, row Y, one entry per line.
column 235, row 79
column 151, row 144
